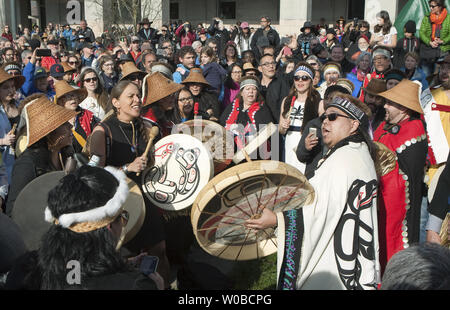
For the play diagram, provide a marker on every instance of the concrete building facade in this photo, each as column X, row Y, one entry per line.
column 287, row 16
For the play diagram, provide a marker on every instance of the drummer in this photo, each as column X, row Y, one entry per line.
column 247, row 113
column 89, row 195
column 120, row 141
column 158, row 102
column 327, row 236
column 83, row 123
column 48, row 135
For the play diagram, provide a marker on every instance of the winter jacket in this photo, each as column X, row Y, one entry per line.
column 426, row 30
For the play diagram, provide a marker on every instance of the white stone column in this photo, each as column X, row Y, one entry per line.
column 293, row 13
column 93, row 13
column 156, row 10
column 373, row 7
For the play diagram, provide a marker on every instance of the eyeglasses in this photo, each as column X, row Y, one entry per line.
column 186, row 99
column 267, row 64
column 109, row 65
column 304, row 78
column 331, row 117
column 88, row 80
column 236, row 72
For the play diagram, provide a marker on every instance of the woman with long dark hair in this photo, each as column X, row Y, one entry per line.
column 385, row 34
column 93, row 196
column 297, row 109
column 97, row 98
column 120, row 141
column 231, row 85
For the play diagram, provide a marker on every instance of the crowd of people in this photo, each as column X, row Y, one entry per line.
column 362, row 113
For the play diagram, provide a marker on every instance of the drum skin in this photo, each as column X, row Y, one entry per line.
column 214, row 137
column 183, row 166
column 237, row 194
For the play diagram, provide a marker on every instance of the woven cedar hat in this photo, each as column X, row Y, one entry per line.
column 43, row 117
column 18, row 79
column 129, row 68
column 196, row 76
column 156, row 87
column 248, row 66
column 63, row 88
column 375, row 87
column 406, row 93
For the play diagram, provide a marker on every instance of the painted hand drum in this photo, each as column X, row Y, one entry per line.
column 215, row 138
column 183, row 166
column 240, row 193
column 29, row 208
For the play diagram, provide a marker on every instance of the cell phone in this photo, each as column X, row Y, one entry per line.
column 314, row 132
column 43, row 52
column 149, row 264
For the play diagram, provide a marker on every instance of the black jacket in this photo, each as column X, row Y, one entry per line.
column 151, row 37
column 274, row 94
column 32, row 163
column 311, row 158
column 221, row 36
column 272, row 36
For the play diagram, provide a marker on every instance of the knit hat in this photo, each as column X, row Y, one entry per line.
column 410, row 26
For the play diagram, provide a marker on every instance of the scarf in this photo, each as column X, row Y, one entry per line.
column 436, row 21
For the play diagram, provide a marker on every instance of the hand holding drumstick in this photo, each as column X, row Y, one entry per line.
column 153, row 133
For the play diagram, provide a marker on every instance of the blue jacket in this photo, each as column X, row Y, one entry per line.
column 215, row 74
column 178, row 77
column 354, row 79
column 420, row 76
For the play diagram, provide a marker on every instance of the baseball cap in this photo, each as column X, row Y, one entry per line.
column 57, row 70
column 39, row 72
column 244, row 25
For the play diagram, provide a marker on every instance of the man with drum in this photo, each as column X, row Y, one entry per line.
column 333, row 242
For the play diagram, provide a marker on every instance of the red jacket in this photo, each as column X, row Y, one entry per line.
column 8, row 36
column 186, row 39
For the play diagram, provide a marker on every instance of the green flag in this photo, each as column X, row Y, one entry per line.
column 413, row 10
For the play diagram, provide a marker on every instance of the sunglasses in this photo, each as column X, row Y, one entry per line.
column 433, row 6
column 73, row 62
column 133, row 77
column 332, row 117
column 88, row 80
column 304, row 78
column 313, row 63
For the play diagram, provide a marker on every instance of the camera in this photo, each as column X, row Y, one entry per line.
column 43, row 52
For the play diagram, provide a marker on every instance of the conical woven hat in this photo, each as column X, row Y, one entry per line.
column 43, row 117
column 130, row 68
column 196, row 76
column 67, row 67
column 156, row 87
column 63, row 88
column 5, row 76
column 406, row 93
